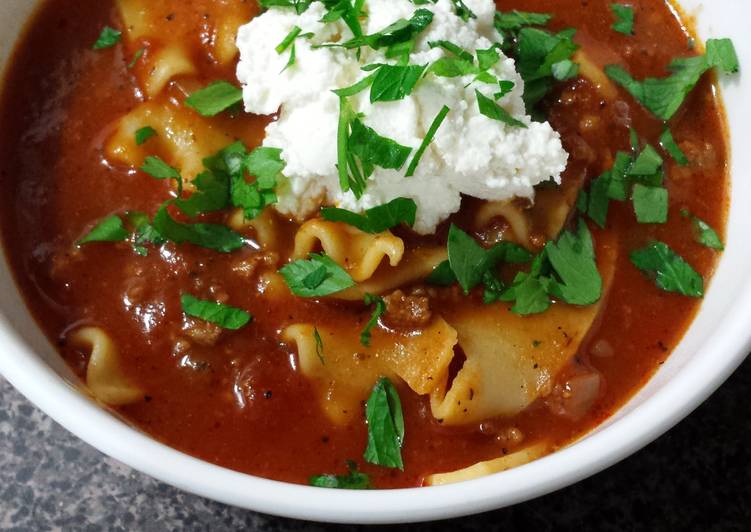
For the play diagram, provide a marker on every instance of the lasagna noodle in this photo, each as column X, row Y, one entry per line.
column 169, row 29
column 510, row 359
column 357, row 252
column 265, row 226
column 488, row 467
column 183, row 138
column 344, row 371
column 104, row 375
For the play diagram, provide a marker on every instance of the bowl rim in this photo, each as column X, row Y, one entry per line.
column 723, row 351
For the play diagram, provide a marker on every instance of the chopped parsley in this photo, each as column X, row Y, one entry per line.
column 144, row 134
column 542, row 58
column 664, row 96
column 565, row 269
column 211, row 236
column 360, row 149
column 704, row 234
column 378, row 311
column 383, row 412
column 469, row 263
column 624, row 15
column 397, row 37
column 432, row 130
column 376, row 219
column 158, row 169
column 211, row 194
column 670, row 271
column 667, row 142
column 650, row 204
column 224, row 316
column 572, row 257
column 110, row 229
column 319, row 346
column 316, row 276
column 217, row 97
column 394, row 82
column 138, row 55
column 495, row 112
column 353, row 480
column 108, row 38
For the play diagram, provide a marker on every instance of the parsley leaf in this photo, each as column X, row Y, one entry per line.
column 158, row 169
column 360, row 149
column 721, row 53
column 401, row 31
column 378, row 311
column 495, row 112
column 217, row 97
column 466, row 257
column 264, row 163
column 664, row 96
column 144, row 134
column 211, row 236
column 516, row 20
column 624, row 15
column 353, row 480
column 317, row 276
column 376, row 219
column 667, row 142
column 528, row 294
column 650, row 204
column 671, row 272
column 572, row 257
column 462, row 11
column 704, row 234
column 224, row 316
column 211, row 194
column 432, row 130
column 385, row 420
column 599, row 199
column 537, row 51
column 442, row 275
column 319, row 346
column 394, row 82
column 108, row 38
column 110, row 229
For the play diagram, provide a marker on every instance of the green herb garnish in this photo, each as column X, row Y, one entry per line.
column 108, row 38
column 317, row 276
column 670, row 271
column 158, row 169
column 144, row 134
column 378, row 311
column 667, row 142
column 376, row 219
column 383, row 412
column 492, row 110
column 650, row 204
column 704, row 234
column 353, row 480
column 217, row 97
column 211, row 236
column 624, row 15
column 110, row 229
column 432, row 130
column 224, row 316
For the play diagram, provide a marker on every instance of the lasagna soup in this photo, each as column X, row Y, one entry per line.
column 363, row 243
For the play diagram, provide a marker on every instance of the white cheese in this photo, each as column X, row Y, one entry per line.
column 471, row 154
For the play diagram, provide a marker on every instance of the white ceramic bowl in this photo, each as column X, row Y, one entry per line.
column 715, row 345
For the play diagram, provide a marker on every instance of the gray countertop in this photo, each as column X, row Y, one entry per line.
column 696, row 477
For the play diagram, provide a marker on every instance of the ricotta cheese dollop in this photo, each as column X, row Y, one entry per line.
column 470, row 154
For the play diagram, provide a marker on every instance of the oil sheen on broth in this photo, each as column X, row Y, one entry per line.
column 238, row 399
